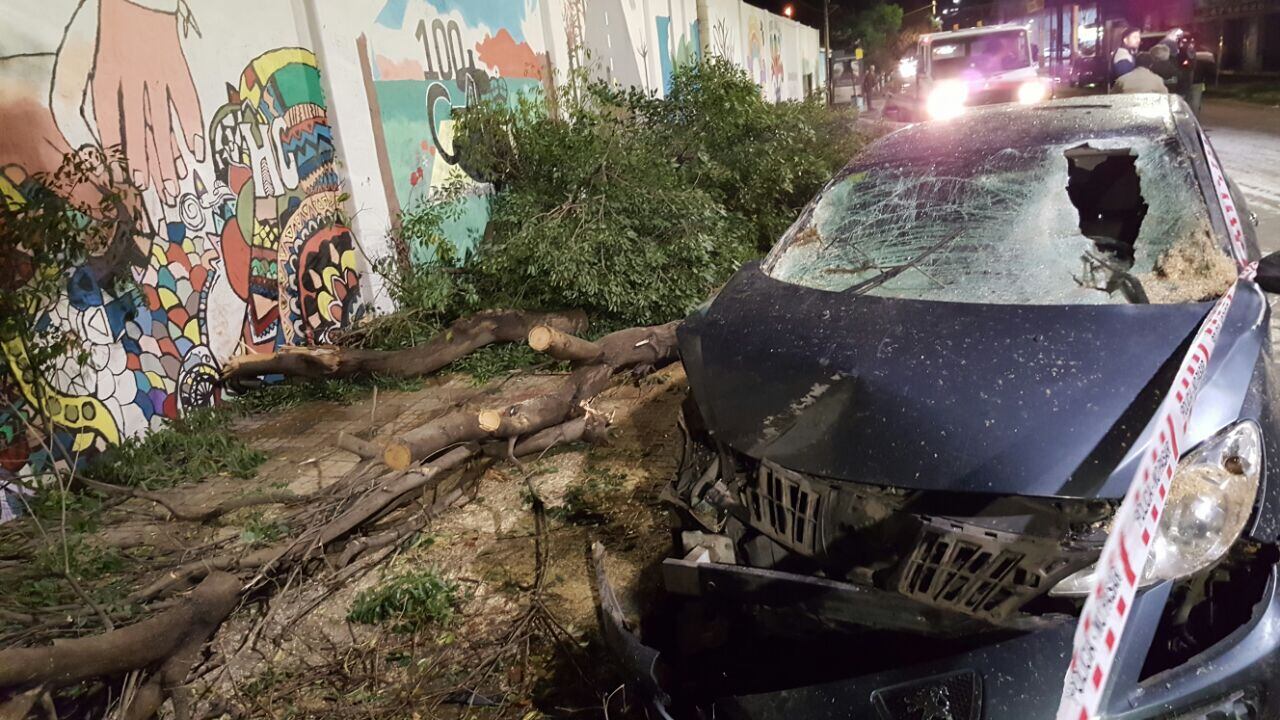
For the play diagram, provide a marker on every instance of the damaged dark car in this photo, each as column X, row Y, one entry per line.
column 910, row 426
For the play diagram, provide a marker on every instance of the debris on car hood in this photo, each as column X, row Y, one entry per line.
column 1193, row 270
column 923, row 405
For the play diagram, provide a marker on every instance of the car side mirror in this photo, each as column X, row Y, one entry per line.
column 1268, row 277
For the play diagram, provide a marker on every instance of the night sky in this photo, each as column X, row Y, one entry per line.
column 809, row 12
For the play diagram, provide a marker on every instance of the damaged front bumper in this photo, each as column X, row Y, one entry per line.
column 1018, row 675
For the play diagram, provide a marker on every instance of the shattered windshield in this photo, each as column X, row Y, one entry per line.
column 983, row 54
column 1117, row 221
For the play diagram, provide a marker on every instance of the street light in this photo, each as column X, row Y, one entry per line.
column 789, row 10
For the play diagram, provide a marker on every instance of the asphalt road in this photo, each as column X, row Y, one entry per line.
column 1247, row 138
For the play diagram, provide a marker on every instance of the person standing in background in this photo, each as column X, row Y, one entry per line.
column 1141, row 79
column 1124, row 59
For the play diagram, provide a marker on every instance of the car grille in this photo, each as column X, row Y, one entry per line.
column 786, row 507
column 993, row 95
column 947, row 563
column 979, row 573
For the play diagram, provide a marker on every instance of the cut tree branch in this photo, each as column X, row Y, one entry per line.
column 159, row 638
column 636, row 349
column 459, row 340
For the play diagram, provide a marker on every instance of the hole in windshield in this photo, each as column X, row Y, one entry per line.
column 1121, row 220
column 1105, row 188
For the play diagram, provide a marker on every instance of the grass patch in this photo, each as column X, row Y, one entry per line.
column 201, row 444
column 42, row 583
column 279, row 396
column 1261, row 93
column 258, row 531
column 86, row 560
column 409, row 602
column 49, row 504
column 494, row 361
column 588, row 502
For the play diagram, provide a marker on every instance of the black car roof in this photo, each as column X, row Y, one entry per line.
column 998, row 127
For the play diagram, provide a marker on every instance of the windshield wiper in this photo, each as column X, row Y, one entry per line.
column 874, row 282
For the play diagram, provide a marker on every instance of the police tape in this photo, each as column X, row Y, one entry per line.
column 1235, row 226
column 1128, row 546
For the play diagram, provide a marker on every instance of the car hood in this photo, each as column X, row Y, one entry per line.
column 1009, row 399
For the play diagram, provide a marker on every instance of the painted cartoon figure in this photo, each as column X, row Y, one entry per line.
column 240, row 246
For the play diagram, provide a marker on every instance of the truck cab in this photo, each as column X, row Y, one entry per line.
column 977, row 66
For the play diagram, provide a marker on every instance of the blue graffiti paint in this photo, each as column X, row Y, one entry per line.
column 496, row 14
column 392, row 14
column 664, row 51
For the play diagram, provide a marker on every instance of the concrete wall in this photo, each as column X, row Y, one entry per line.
column 224, row 124
column 426, row 58
column 265, row 137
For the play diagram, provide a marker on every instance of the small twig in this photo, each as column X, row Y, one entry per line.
column 84, row 596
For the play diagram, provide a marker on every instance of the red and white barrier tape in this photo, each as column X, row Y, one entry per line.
column 1235, row 225
column 1128, row 547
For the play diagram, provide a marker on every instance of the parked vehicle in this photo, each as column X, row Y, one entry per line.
column 959, row 69
column 910, row 427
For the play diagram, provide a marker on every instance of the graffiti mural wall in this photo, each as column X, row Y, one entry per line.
column 261, row 139
column 427, row 58
column 240, row 246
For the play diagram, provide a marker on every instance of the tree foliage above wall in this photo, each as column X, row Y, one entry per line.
column 634, row 207
column 876, row 27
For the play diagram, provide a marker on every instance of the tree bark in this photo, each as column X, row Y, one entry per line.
column 591, row 428
column 427, row 440
column 562, row 345
column 356, row 446
column 375, row 501
column 145, row 643
column 633, row 348
column 460, row 339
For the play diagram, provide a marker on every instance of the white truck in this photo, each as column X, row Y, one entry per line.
column 977, row 66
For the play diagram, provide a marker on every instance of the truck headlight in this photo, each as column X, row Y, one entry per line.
column 1210, row 499
column 1032, row 92
column 947, row 99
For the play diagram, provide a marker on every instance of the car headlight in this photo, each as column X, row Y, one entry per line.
column 1032, row 92
column 947, row 99
column 1210, row 499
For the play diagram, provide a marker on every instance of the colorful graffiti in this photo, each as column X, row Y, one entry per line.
column 764, row 56
column 241, row 242
column 290, row 257
column 674, row 53
column 240, row 239
column 427, row 60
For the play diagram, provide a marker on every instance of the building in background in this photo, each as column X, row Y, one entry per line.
column 1244, row 35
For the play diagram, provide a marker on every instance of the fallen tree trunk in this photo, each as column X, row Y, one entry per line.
column 314, row 541
column 460, row 339
column 365, row 503
column 140, row 645
column 562, row 345
column 371, row 504
column 364, row 449
column 642, row 348
column 590, row 428
column 427, row 440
